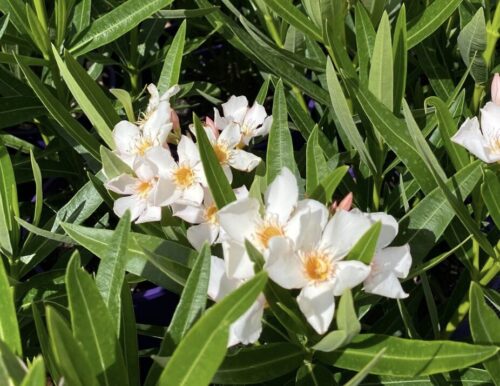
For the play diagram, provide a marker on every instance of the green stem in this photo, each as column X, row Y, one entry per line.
column 492, row 33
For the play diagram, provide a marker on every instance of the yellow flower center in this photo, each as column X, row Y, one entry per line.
column 143, row 188
column 143, row 145
column 317, row 266
column 210, row 214
column 184, row 176
column 222, row 153
column 495, row 144
column 267, row 231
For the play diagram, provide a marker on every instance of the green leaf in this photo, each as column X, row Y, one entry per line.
column 344, row 117
column 315, row 162
column 73, row 132
column 472, row 43
column 430, row 20
column 490, row 190
column 365, row 40
column 327, row 186
column 365, row 248
column 279, row 146
column 172, row 65
column 12, row 370
column 9, row 229
column 115, row 24
column 312, row 374
column 43, row 339
column 128, row 336
column 381, row 79
column 466, row 377
column 259, row 364
column 18, row 109
column 292, row 15
column 125, row 99
column 356, row 380
column 92, row 100
column 400, row 50
column 406, row 357
column 9, row 329
column 111, row 272
column 217, row 181
column 191, row 306
column 37, row 175
column 191, row 364
column 112, row 165
column 447, row 128
column 485, row 328
column 70, row 357
column 36, row 374
column 81, row 15
column 94, row 327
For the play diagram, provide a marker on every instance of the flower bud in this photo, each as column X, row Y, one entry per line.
column 345, row 203
column 495, row 89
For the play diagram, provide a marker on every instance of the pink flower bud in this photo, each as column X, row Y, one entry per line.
column 210, row 125
column 345, row 203
column 175, row 120
column 495, row 89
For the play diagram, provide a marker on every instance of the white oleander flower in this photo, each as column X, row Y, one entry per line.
column 145, row 194
column 482, row 140
column 225, row 144
column 206, row 218
column 389, row 263
column 186, row 176
column 134, row 140
column 242, row 220
column 251, row 121
column 248, row 327
column 313, row 262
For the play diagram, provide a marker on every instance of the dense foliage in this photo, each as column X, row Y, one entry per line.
column 312, row 185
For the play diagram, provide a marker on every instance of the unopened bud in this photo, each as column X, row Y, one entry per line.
column 495, row 89
column 345, row 203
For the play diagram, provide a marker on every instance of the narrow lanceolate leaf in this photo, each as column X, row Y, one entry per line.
column 9, row 329
column 490, row 190
column 315, row 162
column 191, row 306
column 128, row 335
column 381, row 79
column 75, row 133
column 93, row 326
column 364, row 250
column 217, row 181
column 324, row 191
column 92, row 100
column 36, row 374
column 343, row 114
column 472, row 43
column 430, row 20
column 365, row 40
column 200, row 353
column 485, row 328
column 280, row 146
column 43, row 339
column 9, row 231
column 363, row 373
column 116, row 23
column 111, row 272
column 407, row 357
column 259, row 364
column 71, row 360
column 400, row 50
column 12, row 370
column 171, row 70
column 18, row 109
column 295, row 17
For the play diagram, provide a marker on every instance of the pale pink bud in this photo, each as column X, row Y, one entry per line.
column 210, row 125
column 345, row 203
column 176, row 125
column 495, row 89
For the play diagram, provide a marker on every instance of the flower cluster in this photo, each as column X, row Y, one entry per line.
column 304, row 247
column 483, row 139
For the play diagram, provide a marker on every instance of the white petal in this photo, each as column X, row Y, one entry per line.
column 235, row 108
column 394, row 259
column 154, row 98
column 158, row 120
column 317, row 303
column 123, row 184
column 384, row 284
column 282, row 195
column 283, row 265
column 199, row 234
column 219, row 285
column 162, row 158
column 243, row 160
column 255, row 116
column 145, row 169
column 228, row 173
column 192, row 214
column 125, row 135
column 490, row 120
column 192, row 195
column 305, row 228
column 248, row 327
column 241, row 192
column 132, row 203
column 240, row 218
column 187, row 150
column 348, row 274
column 230, row 136
column 264, row 129
column 164, row 192
column 170, row 92
column 470, row 137
column 150, row 214
column 343, row 231
column 220, row 122
column 389, row 229
column 238, row 263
